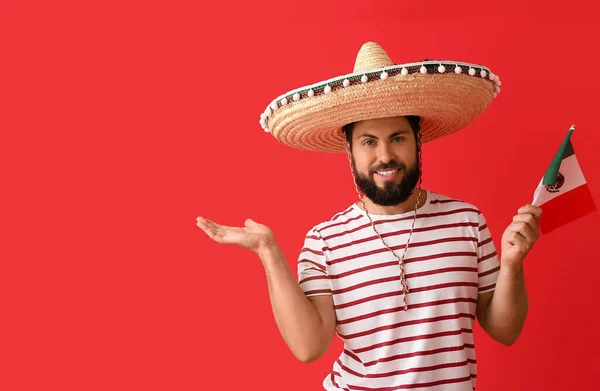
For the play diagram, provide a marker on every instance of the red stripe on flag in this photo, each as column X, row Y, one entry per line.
column 567, row 207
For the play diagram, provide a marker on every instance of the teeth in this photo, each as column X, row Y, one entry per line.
column 386, row 173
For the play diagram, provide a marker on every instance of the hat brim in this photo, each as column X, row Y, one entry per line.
column 446, row 103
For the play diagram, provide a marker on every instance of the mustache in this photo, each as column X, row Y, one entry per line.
column 387, row 166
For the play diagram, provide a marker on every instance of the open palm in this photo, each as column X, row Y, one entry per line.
column 253, row 236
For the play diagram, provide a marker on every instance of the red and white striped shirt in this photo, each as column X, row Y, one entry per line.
column 451, row 258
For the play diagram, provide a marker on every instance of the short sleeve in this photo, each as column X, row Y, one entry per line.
column 312, row 266
column 487, row 259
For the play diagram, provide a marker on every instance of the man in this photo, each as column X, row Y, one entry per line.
column 401, row 275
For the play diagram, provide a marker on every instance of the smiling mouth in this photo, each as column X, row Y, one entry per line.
column 387, row 174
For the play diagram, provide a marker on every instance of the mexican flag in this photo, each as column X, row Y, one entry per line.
column 563, row 193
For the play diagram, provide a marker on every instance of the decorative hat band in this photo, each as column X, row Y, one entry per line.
column 424, row 67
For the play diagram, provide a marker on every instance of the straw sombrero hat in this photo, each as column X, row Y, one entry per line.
column 447, row 95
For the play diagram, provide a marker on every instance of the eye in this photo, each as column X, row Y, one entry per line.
column 398, row 139
column 368, row 141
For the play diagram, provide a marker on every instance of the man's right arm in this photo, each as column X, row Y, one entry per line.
column 307, row 324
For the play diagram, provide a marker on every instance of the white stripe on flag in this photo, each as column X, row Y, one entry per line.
column 574, row 178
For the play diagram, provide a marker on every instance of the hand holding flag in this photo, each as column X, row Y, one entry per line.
column 520, row 236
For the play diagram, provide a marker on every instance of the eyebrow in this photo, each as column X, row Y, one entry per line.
column 391, row 135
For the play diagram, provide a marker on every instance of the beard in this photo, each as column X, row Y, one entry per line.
column 392, row 193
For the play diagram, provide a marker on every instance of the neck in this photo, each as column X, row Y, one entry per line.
column 403, row 207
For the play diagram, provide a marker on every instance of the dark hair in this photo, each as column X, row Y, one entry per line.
column 413, row 120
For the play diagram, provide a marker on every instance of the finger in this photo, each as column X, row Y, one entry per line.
column 521, row 226
column 219, row 235
column 222, row 230
column 212, row 229
column 536, row 211
column 206, row 226
column 213, row 224
column 207, row 229
column 528, row 219
column 202, row 223
column 517, row 240
column 523, row 229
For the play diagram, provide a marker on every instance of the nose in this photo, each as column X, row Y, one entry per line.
column 384, row 152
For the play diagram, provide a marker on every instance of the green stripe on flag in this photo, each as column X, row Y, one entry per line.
column 568, row 150
column 552, row 172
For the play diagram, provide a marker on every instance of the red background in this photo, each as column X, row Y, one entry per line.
column 123, row 121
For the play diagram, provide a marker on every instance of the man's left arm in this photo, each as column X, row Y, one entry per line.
column 502, row 312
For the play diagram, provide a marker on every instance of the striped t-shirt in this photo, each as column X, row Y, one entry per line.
column 451, row 258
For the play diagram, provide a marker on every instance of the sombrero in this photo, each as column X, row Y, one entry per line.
column 447, row 95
